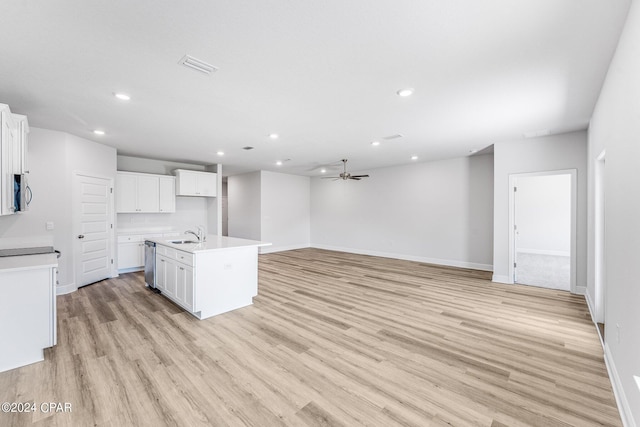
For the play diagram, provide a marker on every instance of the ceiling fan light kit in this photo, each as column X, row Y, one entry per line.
column 344, row 175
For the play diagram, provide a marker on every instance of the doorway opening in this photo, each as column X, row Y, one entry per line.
column 543, row 229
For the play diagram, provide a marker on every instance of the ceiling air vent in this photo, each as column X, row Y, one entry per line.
column 198, row 65
column 389, row 137
column 247, row 148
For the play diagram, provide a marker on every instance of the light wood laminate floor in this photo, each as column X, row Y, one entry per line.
column 333, row 339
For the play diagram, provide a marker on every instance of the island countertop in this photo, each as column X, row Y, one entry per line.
column 213, row 242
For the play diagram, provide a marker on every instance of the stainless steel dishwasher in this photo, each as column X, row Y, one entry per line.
column 150, row 264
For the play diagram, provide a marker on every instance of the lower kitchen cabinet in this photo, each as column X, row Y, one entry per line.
column 130, row 255
column 131, row 250
column 175, row 280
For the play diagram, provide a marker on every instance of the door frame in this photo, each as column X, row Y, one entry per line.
column 574, row 204
column 600, row 287
column 75, row 227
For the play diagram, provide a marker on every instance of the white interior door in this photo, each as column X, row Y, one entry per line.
column 542, row 229
column 93, row 224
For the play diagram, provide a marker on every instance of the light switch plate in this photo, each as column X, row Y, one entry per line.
column 49, row 225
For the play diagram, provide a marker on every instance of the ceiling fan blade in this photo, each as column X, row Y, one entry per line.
column 360, row 176
column 355, row 178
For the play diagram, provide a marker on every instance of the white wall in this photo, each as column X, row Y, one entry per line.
column 271, row 207
column 53, row 158
column 438, row 212
column 190, row 211
column 615, row 126
column 244, row 205
column 557, row 152
column 285, row 211
column 160, row 167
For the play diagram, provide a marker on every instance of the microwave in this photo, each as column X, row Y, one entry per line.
column 21, row 193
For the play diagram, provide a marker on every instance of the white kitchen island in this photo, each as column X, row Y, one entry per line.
column 208, row 278
column 27, row 308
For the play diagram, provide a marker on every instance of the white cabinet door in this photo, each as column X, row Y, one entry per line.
column 7, row 136
column 161, row 272
column 184, row 286
column 206, row 184
column 130, row 255
column 148, row 193
column 20, row 146
column 13, row 151
column 126, row 196
column 187, row 184
column 171, row 278
column 167, row 194
column 188, row 288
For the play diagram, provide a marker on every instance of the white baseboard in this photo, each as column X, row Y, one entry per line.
column 590, row 306
column 271, row 249
column 501, row 279
column 618, row 390
column 581, row 290
column 66, row 289
column 129, row 270
column 449, row 263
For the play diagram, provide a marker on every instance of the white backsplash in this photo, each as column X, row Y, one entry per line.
column 190, row 212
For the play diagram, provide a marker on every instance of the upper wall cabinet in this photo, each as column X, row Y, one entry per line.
column 13, row 157
column 144, row 193
column 20, row 146
column 195, row 183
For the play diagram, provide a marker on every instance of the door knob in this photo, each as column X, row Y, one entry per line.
column 80, row 236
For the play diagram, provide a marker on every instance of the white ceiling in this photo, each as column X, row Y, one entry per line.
column 321, row 74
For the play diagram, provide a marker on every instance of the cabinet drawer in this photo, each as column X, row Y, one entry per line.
column 161, row 250
column 170, row 252
column 130, row 238
column 184, row 257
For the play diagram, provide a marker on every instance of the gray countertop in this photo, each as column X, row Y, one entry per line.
column 25, row 262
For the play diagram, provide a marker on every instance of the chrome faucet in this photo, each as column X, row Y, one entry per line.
column 199, row 235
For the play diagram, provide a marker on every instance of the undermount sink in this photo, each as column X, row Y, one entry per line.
column 181, row 242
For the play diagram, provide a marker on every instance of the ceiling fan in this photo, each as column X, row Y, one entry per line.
column 344, row 175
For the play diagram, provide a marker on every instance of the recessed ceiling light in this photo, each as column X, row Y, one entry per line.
column 220, row 153
column 323, row 171
column 414, row 157
column 405, row 92
column 122, row 96
column 375, row 143
column 279, row 163
column 98, row 132
column 273, row 135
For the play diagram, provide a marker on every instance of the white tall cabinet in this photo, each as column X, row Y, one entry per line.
column 13, row 154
